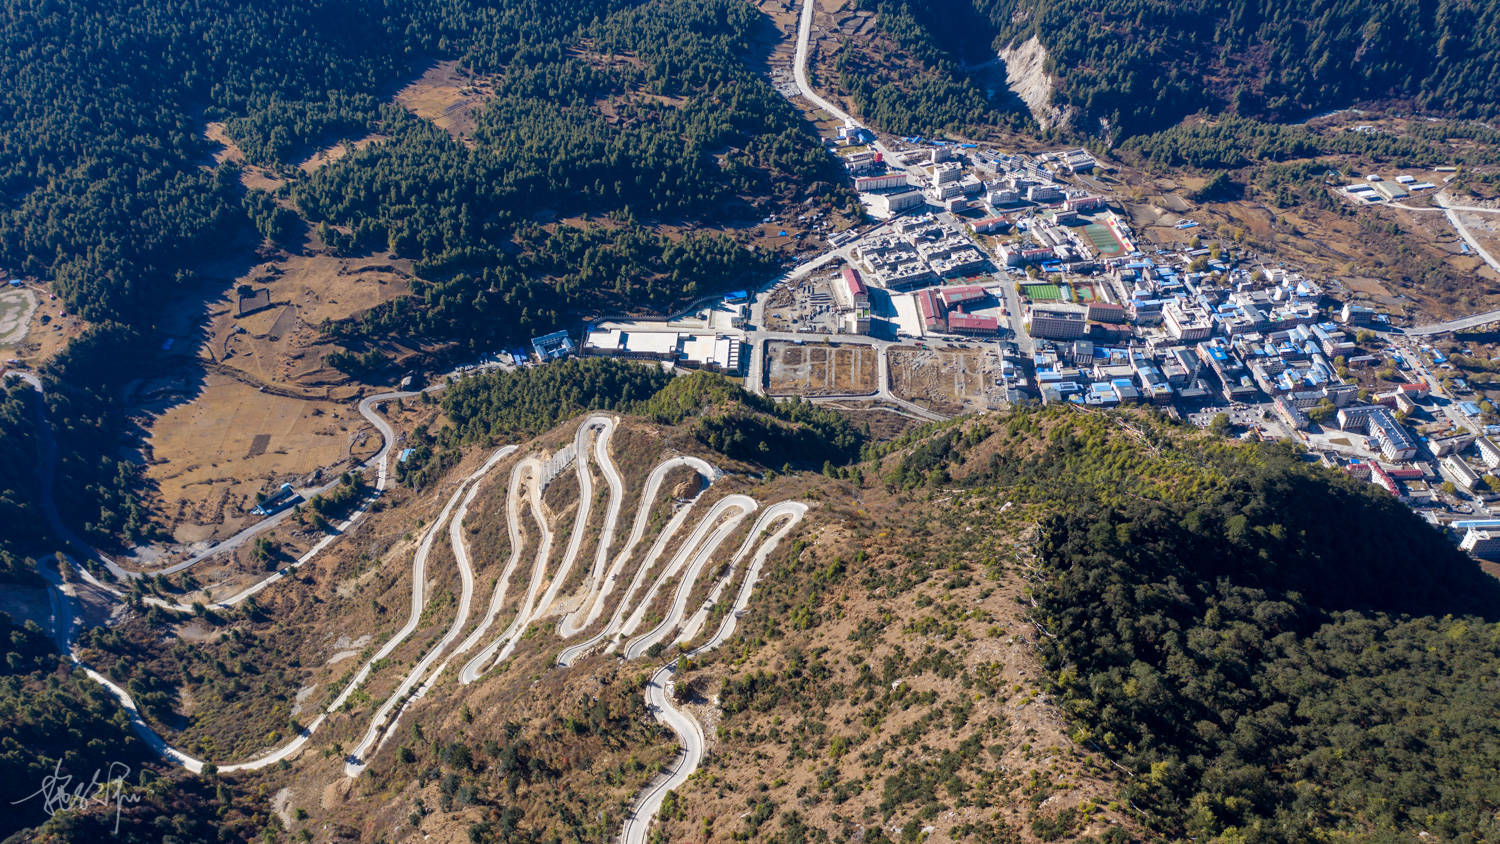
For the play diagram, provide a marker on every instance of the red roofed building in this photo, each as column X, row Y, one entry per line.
column 975, row 325
column 856, row 295
column 1380, row 477
column 990, row 225
column 953, row 296
column 934, row 315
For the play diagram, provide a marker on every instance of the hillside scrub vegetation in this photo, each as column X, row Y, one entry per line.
column 999, row 612
column 1276, row 653
column 510, row 405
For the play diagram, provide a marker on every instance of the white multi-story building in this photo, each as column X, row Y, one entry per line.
column 889, row 181
column 1481, row 543
column 1458, row 471
column 1187, row 322
column 1488, row 452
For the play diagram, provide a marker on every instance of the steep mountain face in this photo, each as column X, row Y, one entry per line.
column 1141, row 65
column 1147, row 63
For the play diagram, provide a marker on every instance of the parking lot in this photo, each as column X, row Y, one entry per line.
column 1241, row 415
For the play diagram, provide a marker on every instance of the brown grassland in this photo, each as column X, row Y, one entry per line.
column 883, row 677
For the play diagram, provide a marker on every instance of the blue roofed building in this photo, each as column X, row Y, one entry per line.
column 552, row 346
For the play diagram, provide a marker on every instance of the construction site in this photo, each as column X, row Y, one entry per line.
column 822, row 369
column 947, row 381
column 806, row 305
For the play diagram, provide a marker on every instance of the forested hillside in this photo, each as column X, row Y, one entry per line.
column 644, row 117
column 1273, row 652
column 1144, row 64
column 104, row 168
column 617, row 116
column 912, row 82
column 648, row 114
column 1141, row 65
column 505, row 405
column 100, row 162
column 1000, row 612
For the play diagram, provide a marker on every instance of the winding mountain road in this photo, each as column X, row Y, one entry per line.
column 646, row 805
column 644, row 809
column 397, row 700
column 600, row 588
column 668, row 532
column 527, row 473
column 527, row 482
column 728, row 510
column 47, row 445
column 501, row 648
column 736, row 509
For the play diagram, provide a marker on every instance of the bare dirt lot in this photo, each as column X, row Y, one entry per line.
column 822, row 369
column 16, row 307
column 948, row 381
column 806, row 303
column 1484, row 227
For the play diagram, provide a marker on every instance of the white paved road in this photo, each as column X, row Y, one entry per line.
column 644, row 808
column 705, row 534
column 527, row 473
column 389, row 711
column 593, row 603
column 804, row 84
column 532, row 608
column 738, row 509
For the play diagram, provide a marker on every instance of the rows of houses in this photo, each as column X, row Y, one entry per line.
column 959, row 180
column 920, row 250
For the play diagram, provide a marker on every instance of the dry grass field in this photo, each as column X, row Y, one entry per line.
column 1484, row 227
column 446, row 97
column 335, row 152
column 251, row 176
column 820, row 369
column 211, row 455
column 282, row 344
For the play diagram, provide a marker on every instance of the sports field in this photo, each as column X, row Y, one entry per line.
column 1042, row 292
column 1104, row 240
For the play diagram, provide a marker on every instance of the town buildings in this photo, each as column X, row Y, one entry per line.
column 1057, row 322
